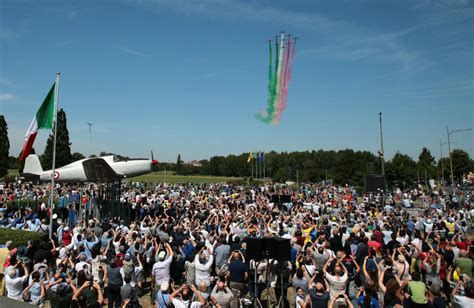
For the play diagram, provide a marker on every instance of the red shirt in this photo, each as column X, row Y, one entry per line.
column 66, row 238
column 378, row 236
column 375, row 245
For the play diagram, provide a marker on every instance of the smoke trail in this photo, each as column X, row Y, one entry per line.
column 289, row 66
column 278, row 80
column 284, row 91
column 264, row 115
column 279, row 77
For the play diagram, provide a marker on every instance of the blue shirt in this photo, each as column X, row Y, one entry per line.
column 188, row 249
column 163, row 300
column 373, row 302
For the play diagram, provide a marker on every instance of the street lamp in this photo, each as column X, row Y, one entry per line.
column 381, row 146
column 449, row 149
column 90, row 126
column 441, row 144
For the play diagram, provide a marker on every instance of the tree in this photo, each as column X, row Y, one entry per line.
column 426, row 163
column 461, row 163
column 13, row 162
column 179, row 165
column 77, row 156
column 443, row 168
column 63, row 146
column 4, row 147
column 401, row 171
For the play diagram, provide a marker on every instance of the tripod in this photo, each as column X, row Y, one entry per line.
column 256, row 301
column 281, row 302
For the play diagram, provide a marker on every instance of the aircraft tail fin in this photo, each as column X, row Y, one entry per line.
column 32, row 165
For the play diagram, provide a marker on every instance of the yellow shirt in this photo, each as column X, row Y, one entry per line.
column 450, row 226
column 3, row 257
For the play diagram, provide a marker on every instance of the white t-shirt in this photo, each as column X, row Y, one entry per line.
column 14, row 286
column 179, row 303
column 298, row 300
column 463, row 301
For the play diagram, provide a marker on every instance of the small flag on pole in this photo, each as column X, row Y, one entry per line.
column 250, row 157
column 42, row 119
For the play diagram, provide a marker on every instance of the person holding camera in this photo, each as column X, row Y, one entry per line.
column 221, row 294
column 342, row 301
column 14, row 282
column 338, row 280
column 36, row 291
column 79, row 299
column 237, row 273
column 115, row 282
column 183, row 297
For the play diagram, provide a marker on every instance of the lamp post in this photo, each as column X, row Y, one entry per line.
column 381, row 145
column 449, row 149
column 441, row 144
column 90, row 126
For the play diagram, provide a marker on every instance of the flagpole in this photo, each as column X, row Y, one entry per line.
column 51, row 207
column 264, row 159
column 256, row 165
column 251, row 164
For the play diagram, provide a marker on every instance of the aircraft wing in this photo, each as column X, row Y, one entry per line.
column 98, row 170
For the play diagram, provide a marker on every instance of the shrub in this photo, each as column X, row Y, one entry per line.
column 19, row 237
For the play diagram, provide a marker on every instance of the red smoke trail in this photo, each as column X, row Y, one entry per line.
column 284, row 91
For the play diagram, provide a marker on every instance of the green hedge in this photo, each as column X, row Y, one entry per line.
column 19, row 237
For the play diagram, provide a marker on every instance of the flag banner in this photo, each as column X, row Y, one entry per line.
column 250, row 157
column 43, row 119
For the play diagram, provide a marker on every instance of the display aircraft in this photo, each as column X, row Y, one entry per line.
column 95, row 169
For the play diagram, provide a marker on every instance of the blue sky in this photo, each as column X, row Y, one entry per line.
column 188, row 77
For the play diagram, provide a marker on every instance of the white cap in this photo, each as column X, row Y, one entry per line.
column 164, row 286
column 55, row 216
column 161, row 255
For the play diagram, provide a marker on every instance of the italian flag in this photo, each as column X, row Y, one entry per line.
column 43, row 119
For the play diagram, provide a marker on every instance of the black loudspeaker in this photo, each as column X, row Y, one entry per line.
column 255, row 248
column 280, row 199
column 374, row 183
column 268, row 247
column 276, row 199
column 285, row 198
column 282, row 249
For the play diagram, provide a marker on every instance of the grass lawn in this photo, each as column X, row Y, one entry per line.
column 172, row 179
column 13, row 172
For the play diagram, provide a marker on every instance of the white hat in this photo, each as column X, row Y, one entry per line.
column 164, row 286
column 55, row 216
column 161, row 255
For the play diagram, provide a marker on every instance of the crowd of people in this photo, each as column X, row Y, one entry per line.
column 186, row 246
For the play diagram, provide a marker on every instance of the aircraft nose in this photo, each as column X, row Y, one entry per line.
column 154, row 162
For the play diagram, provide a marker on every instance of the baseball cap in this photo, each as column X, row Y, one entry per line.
column 161, row 255
column 164, row 286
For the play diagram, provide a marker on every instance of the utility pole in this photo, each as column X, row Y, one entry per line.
column 381, row 145
column 383, row 159
column 449, row 148
column 441, row 161
column 90, row 126
column 441, row 144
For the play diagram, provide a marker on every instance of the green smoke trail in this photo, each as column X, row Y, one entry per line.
column 272, row 80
